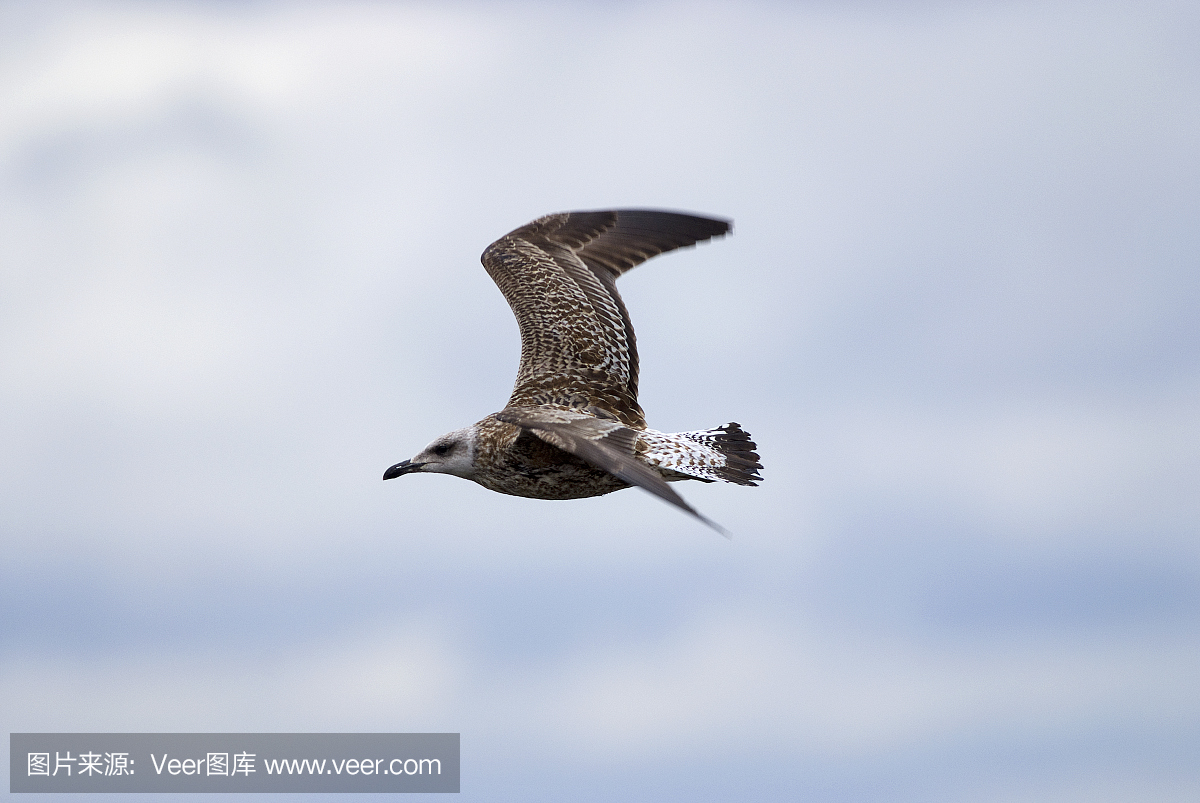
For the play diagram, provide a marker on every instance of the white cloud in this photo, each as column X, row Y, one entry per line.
column 1029, row 469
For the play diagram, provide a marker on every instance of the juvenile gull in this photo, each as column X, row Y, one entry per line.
column 573, row 427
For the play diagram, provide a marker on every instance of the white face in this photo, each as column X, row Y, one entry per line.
column 453, row 453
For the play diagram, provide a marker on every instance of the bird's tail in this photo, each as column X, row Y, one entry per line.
column 724, row 453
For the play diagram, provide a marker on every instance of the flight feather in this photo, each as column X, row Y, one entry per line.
column 559, row 275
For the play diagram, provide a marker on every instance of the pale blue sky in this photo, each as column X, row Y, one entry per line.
column 239, row 277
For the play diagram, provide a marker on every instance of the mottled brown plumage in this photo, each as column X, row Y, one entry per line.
column 573, row 426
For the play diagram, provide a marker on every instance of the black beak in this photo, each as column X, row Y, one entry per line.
column 400, row 469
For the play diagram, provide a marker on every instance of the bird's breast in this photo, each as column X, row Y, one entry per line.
column 521, row 464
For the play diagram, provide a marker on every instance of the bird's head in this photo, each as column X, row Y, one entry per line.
column 453, row 453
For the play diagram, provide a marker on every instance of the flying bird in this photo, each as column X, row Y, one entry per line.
column 573, row 427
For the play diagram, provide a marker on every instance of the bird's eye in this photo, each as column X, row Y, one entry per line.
column 442, row 449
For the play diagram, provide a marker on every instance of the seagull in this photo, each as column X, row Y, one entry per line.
column 573, row 427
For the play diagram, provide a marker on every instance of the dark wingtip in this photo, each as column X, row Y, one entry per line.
column 728, row 536
column 679, row 502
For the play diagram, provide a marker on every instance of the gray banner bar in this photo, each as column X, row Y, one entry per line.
column 233, row 762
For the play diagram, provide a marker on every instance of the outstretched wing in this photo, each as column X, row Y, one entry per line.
column 607, row 445
column 559, row 275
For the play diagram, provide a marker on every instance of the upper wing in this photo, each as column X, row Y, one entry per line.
column 559, row 275
column 607, row 445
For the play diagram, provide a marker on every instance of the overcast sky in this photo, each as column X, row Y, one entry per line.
column 239, row 277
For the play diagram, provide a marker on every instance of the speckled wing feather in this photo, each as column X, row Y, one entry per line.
column 559, row 275
column 607, row 445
